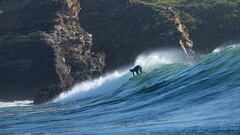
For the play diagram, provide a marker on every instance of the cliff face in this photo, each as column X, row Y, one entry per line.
column 123, row 29
column 27, row 61
column 43, row 49
column 47, row 45
column 211, row 25
column 53, row 50
column 74, row 59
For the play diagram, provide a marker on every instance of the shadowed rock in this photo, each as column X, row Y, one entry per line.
column 48, row 45
column 42, row 45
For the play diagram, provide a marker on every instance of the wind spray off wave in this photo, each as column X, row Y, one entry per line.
column 173, row 98
column 96, row 87
column 112, row 81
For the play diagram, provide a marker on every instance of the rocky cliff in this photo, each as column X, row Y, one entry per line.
column 208, row 23
column 48, row 45
column 43, row 49
column 211, row 25
column 124, row 28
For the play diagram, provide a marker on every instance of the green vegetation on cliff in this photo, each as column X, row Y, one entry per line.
column 190, row 2
column 209, row 23
column 47, row 45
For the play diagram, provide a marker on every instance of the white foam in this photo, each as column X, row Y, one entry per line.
column 222, row 48
column 153, row 59
column 95, row 87
column 112, row 81
column 15, row 103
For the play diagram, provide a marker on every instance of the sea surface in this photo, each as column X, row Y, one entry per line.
column 172, row 96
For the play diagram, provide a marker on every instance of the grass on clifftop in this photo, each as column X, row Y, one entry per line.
column 189, row 2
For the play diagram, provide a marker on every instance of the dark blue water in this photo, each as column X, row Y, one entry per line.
column 169, row 98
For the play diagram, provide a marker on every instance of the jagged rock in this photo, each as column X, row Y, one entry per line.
column 43, row 49
column 48, row 93
column 123, row 29
column 211, row 26
column 47, row 45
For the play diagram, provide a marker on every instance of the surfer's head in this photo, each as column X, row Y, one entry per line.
column 131, row 70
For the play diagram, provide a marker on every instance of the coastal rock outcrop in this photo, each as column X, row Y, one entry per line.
column 211, row 25
column 44, row 50
column 126, row 28
column 48, row 45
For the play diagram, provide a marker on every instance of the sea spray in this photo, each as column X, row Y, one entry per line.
column 113, row 81
column 171, row 99
column 96, row 87
column 152, row 60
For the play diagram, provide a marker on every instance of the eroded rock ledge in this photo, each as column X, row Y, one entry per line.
column 48, row 45
column 74, row 58
column 44, row 50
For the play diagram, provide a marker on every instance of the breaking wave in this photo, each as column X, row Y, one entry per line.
column 113, row 81
column 170, row 97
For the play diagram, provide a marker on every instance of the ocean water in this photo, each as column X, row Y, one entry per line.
column 171, row 97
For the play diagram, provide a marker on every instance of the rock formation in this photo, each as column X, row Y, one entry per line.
column 123, row 28
column 48, row 45
column 211, row 25
column 43, row 49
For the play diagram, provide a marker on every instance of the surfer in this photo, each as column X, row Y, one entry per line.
column 137, row 69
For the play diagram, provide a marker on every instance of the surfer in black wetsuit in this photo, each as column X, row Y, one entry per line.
column 137, row 69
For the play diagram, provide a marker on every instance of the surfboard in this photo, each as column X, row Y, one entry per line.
column 136, row 76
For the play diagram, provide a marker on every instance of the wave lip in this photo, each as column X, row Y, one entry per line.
column 172, row 98
column 113, row 81
column 96, row 87
column 155, row 59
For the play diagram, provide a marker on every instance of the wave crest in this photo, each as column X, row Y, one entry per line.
column 115, row 80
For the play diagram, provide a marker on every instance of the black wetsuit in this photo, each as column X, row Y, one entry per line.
column 137, row 69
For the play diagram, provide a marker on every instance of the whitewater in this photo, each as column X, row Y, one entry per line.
column 172, row 96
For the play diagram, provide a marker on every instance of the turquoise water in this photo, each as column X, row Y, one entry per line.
column 169, row 98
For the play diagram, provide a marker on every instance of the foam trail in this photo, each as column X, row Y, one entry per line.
column 113, row 81
column 93, row 88
column 15, row 103
column 220, row 49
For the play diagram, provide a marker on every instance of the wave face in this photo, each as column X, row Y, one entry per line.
column 170, row 97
